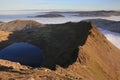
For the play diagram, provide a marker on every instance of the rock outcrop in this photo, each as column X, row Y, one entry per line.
column 12, row 65
column 74, row 50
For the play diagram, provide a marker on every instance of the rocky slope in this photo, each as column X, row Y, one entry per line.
column 77, row 51
column 98, row 59
column 19, row 25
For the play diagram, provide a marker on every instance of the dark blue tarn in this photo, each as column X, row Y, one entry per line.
column 23, row 53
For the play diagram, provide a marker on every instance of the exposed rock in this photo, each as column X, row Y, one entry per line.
column 12, row 65
column 4, row 35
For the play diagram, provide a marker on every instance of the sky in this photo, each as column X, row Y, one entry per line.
column 60, row 4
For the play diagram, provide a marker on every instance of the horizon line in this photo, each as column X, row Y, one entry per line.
column 60, row 9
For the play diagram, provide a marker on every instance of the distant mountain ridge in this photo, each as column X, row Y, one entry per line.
column 101, row 13
column 49, row 16
column 106, row 24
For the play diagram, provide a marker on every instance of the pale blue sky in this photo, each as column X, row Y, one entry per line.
column 60, row 4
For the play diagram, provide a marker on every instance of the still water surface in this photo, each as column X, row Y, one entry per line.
column 24, row 53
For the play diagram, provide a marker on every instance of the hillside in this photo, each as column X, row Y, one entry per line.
column 19, row 25
column 74, row 51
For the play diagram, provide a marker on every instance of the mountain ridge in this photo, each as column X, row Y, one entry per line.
column 93, row 56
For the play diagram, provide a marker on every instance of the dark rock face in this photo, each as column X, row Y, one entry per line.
column 24, row 53
column 50, row 15
column 59, row 41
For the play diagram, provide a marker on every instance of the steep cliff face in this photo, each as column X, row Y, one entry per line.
column 97, row 59
column 79, row 49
